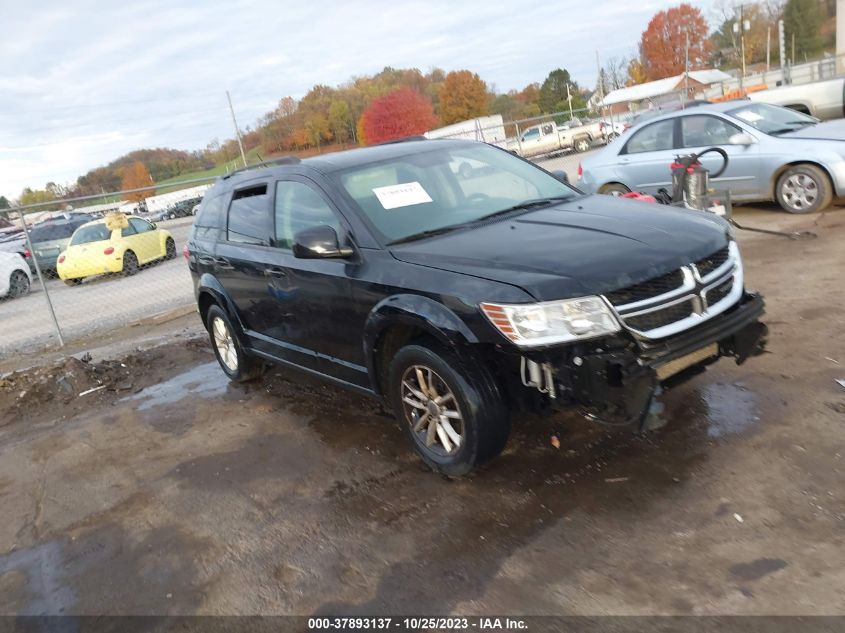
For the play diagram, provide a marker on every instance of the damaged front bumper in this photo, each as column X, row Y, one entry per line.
column 616, row 380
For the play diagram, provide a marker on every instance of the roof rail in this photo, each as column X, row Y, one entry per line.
column 407, row 139
column 282, row 160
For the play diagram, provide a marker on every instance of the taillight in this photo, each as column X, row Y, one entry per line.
column 108, row 251
column 61, row 259
column 601, row 126
column 26, row 253
column 580, row 170
column 185, row 252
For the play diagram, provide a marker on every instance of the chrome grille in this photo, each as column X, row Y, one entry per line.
column 647, row 289
column 682, row 299
column 710, row 263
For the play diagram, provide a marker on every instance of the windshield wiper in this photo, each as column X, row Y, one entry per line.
column 797, row 125
column 528, row 204
column 429, row 233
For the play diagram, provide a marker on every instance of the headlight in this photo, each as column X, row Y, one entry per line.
column 533, row 324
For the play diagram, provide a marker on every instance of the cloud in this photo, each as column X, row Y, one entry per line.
column 83, row 85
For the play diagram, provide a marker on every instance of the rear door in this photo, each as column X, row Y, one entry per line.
column 644, row 163
column 702, row 131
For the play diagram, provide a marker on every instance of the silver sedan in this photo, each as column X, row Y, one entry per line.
column 774, row 154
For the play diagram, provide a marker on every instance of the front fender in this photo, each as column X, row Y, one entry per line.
column 417, row 311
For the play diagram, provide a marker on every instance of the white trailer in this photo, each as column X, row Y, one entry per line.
column 166, row 200
column 486, row 129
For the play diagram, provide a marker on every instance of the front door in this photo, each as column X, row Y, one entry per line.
column 742, row 176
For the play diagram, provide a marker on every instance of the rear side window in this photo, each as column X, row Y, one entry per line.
column 653, row 138
column 210, row 213
column 249, row 216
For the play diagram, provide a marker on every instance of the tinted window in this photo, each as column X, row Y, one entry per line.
column 93, row 233
column 52, row 231
column 211, row 212
column 128, row 230
column 701, row 130
column 299, row 207
column 652, row 138
column 249, row 216
column 141, row 226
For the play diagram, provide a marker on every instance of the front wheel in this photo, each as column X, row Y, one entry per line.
column 18, row 284
column 804, row 189
column 582, row 145
column 72, row 282
column 449, row 408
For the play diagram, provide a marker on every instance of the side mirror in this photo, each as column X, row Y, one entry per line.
column 742, row 139
column 319, row 242
column 561, row 175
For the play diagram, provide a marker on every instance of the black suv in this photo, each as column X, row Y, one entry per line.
column 456, row 282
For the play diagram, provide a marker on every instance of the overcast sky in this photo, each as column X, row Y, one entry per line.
column 83, row 82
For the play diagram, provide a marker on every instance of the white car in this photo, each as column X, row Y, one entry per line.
column 15, row 278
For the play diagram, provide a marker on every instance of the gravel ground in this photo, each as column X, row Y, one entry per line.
column 170, row 491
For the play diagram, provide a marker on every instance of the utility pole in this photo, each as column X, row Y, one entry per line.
column 768, row 46
column 686, row 68
column 569, row 99
column 237, row 131
column 782, row 51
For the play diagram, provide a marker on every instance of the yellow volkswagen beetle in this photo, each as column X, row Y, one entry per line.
column 114, row 244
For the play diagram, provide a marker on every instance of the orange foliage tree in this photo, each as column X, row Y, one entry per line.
column 403, row 112
column 463, row 96
column 136, row 176
column 664, row 40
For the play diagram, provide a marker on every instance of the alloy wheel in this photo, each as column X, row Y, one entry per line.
column 432, row 410
column 225, row 344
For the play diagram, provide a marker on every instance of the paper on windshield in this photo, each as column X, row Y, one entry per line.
column 749, row 115
column 402, row 195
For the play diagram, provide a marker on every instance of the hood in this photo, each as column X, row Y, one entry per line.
column 827, row 131
column 591, row 245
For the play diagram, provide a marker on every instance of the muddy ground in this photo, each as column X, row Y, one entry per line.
column 170, row 491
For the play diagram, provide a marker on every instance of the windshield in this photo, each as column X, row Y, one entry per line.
column 91, row 233
column 771, row 119
column 445, row 187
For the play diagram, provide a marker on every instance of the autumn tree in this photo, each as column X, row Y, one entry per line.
column 401, row 113
column 4, row 203
column 762, row 19
column 340, row 121
column 35, row 196
column 663, row 43
column 136, row 176
column 463, row 96
column 802, row 22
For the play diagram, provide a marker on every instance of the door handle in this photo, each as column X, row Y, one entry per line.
column 275, row 271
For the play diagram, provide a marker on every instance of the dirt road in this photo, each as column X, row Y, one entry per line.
column 172, row 491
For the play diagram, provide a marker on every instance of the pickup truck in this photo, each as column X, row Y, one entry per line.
column 548, row 138
column 824, row 100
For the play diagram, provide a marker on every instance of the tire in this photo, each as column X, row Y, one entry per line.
column 19, row 284
column 611, row 136
column 614, row 189
column 582, row 144
column 804, row 189
column 234, row 362
column 170, row 249
column 72, row 282
column 130, row 264
column 478, row 420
